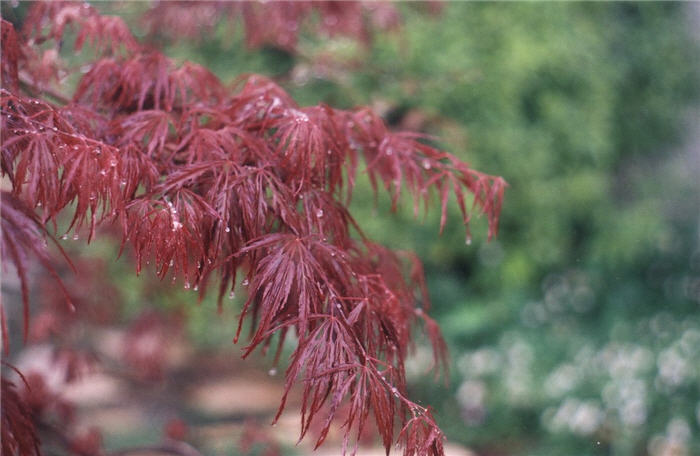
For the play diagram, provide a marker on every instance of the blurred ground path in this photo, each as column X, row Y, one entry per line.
column 216, row 394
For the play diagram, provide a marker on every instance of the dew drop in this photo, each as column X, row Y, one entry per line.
column 76, row 237
column 426, row 164
column 468, row 241
column 172, row 263
column 390, row 151
column 196, row 288
column 319, row 213
column 75, row 147
column 419, row 311
column 227, row 229
column 187, row 285
column 394, row 391
column 103, row 172
column 232, row 295
column 245, row 282
column 64, row 237
column 272, row 372
column 55, row 129
column 113, row 163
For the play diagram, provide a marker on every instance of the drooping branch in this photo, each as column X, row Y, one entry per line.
column 205, row 182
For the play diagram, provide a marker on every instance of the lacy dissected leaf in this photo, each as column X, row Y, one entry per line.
column 421, row 436
column 171, row 231
column 19, row 436
column 311, row 147
column 399, row 159
column 146, row 81
column 49, row 20
column 51, row 164
column 23, row 238
column 147, row 129
column 259, row 101
column 352, row 310
column 275, row 23
column 10, row 55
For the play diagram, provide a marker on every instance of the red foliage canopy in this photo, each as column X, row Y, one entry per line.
column 206, row 181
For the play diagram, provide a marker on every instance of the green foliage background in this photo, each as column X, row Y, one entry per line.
column 577, row 331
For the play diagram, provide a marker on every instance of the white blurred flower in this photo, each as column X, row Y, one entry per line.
column 471, row 396
column 41, row 359
column 673, row 368
column 678, row 430
column 587, row 418
column 579, row 417
column 562, row 380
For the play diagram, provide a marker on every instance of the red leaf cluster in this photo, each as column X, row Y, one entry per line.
column 17, row 431
column 206, row 181
column 274, row 23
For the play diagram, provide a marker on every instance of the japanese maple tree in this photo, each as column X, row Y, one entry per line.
column 208, row 182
